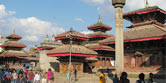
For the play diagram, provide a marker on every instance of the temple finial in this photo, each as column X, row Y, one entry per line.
column 146, row 4
column 53, row 36
column 99, row 20
column 47, row 38
column 14, row 31
column 71, row 29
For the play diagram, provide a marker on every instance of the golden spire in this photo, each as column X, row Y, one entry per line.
column 14, row 31
column 146, row 4
column 99, row 20
column 53, row 37
column 47, row 38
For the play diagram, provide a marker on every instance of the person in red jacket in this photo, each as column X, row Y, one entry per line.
column 30, row 76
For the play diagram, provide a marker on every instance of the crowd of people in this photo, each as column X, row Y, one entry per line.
column 124, row 79
column 25, row 76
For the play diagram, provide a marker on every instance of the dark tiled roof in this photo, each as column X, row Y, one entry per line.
column 91, row 59
column 99, row 25
column 139, row 32
column 142, row 10
column 73, row 33
column 13, row 44
column 96, row 46
column 12, row 53
column 13, row 36
column 76, row 49
column 99, row 33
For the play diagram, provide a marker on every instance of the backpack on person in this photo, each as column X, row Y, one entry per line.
column 51, row 75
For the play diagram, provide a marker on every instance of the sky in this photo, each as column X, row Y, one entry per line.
column 34, row 19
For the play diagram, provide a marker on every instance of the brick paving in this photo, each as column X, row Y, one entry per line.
column 93, row 78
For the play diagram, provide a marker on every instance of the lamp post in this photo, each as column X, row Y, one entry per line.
column 119, row 47
column 70, row 48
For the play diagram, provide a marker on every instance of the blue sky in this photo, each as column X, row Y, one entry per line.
column 33, row 19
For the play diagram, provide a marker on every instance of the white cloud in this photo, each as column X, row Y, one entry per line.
column 31, row 38
column 3, row 13
column 106, row 10
column 79, row 19
column 96, row 2
column 31, row 29
column 11, row 12
column 86, row 32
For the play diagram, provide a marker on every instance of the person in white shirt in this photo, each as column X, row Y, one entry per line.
column 37, row 77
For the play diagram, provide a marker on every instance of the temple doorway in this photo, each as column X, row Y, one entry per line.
column 86, row 67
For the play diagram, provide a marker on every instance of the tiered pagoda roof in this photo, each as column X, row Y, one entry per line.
column 99, row 34
column 76, row 49
column 99, row 26
column 148, row 25
column 14, row 36
column 13, row 44
column 74, row 35
column 141, row 33
column 146, row 14
column 97, row 47
column 14, row 53
column 13, row 48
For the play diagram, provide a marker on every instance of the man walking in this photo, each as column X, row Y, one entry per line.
column 75, row 75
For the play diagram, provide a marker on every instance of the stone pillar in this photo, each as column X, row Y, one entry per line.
column 119, row 48
column 46, row 62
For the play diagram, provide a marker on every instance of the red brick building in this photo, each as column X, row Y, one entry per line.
column 145, row 39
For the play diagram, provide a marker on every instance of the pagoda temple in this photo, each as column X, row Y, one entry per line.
column 145, row 39
column 13, row 53
column 105, row 53
column 72, row 41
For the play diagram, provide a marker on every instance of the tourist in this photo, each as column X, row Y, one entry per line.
column 102, row 78
column 44, row 76
column 37, row 77
column 1, row 75
column 141, row 78
column 25, row 72
column 123, row 78
column 7, row 77
column 50, row 76
column 7, row 66
column 14, row 76
column 75, row 75
column 150, row 80
column 68, row 76
column 30, row 76
column 116, row 79
column 20, row 78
